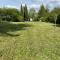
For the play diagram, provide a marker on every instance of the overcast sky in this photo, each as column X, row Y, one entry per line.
column 30, row 3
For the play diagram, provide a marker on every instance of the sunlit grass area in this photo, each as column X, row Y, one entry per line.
column 29, row 41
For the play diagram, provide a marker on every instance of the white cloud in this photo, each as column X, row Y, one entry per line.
column 38, row 0
column 10, row 6
column 23, row 4
column 53, row 0
column 34, row 6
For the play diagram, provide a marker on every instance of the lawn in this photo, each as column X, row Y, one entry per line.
column 29, row 41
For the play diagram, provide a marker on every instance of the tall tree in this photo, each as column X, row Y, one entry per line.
column 56, row 12
column 32, row 13
column 22, row 10
column 25, row 13
column 42, row 12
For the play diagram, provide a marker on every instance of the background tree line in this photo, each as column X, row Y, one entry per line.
column 13, row 14
column 44, row 15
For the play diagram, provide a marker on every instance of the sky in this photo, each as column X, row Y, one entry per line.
column 30, row 3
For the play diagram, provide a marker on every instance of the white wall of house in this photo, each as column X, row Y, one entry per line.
column 31, row 19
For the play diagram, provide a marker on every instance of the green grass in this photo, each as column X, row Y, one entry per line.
column 29, row 41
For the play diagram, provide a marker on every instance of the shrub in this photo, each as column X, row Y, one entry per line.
column 20, row 18
column 58, row 19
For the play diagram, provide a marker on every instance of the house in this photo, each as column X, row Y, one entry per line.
column 31, row 19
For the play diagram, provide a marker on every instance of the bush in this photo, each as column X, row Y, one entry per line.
column 51, row 18
column 58, row 19
column 20, row 18
column 9, row 14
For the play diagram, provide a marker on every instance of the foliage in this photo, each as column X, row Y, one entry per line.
column 58, row 19
column 20, row 18
column 9, row 14
column 43, row 12
column 44, row 15
column 25, row 13
column 32, row 13
column 22, row 10
column 54, row 15
column 56, row 10
column 51, row 18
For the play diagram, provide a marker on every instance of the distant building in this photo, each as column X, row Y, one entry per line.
column 31, row 19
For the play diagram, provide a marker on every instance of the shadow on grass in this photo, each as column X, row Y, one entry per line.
column 11, row 27
column 57, row 25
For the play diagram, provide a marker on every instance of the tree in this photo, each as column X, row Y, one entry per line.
column 25, row 13
column 32, row 13
column 22, row 11
column 51, row 18
column 58, row 19
column 42, row 12
column 56, row 10
column 9, row 14
column 53, row 14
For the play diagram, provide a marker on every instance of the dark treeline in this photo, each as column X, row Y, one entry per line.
column 13, row 14
column 44, row 15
